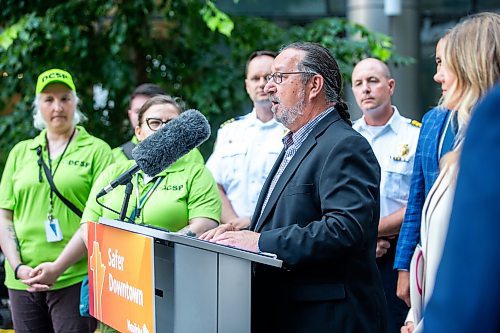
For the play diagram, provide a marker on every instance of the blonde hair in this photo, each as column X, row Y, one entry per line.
column 472, row 54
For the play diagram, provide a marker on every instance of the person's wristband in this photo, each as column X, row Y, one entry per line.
column 16, row 269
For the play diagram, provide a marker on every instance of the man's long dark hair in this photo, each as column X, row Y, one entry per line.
column 318, row 59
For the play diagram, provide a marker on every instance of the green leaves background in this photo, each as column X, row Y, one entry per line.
column 189, row 47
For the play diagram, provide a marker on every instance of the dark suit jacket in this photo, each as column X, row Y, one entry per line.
column 321, row 220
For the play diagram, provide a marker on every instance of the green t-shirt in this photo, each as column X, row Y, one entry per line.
column 193, row 156
column 22, row 193
column 187, row 190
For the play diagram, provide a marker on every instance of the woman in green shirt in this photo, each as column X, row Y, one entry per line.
column 183, row 198
column 35, row 224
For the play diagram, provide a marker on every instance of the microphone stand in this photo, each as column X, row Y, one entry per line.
column 128, row 191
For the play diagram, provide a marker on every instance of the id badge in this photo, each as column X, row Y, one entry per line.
column 53, row 231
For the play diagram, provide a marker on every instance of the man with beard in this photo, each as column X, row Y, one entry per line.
column 318, row 210
column 393, row 139
column 247, row 147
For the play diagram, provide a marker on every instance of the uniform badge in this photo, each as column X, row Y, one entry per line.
column 403, row 152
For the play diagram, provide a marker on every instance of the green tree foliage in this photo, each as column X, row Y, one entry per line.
column 188, row 47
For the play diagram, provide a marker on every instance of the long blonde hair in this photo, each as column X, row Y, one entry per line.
column 472, row 54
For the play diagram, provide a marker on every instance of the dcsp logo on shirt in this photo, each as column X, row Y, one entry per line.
column 172, row 187
column 79, row 163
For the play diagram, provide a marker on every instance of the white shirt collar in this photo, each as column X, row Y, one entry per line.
column 256, row 121
column 394, row 123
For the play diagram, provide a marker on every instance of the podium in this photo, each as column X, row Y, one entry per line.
column 177, row 283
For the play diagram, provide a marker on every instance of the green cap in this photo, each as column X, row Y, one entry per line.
column 52, row 76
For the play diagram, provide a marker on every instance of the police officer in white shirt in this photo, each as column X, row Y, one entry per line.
column 247, row 147
column 393, row 139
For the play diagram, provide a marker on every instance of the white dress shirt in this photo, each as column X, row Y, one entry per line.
column 394, row 145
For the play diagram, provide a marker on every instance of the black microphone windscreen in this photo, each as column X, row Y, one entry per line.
column 171, row 142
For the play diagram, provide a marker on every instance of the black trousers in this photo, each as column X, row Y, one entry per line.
column 54, row 311
column 397, row 307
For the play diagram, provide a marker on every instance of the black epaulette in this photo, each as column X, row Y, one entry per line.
column 416, row 123
column 127, row 148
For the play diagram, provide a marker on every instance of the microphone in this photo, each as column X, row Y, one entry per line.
column 121, row 180
column 161, row 149
column 171, row 142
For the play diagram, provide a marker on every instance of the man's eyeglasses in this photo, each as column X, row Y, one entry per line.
column 277, row 77
column 155, row 124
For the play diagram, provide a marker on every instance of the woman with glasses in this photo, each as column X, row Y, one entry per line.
column 182, row 198
column 36, row 224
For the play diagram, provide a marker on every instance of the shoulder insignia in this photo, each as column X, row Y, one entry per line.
column 416, row 123
column 229, row 121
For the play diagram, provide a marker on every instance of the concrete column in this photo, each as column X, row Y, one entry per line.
column 404, row 30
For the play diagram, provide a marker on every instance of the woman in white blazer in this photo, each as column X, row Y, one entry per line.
column 435, row 217
column 465, row 77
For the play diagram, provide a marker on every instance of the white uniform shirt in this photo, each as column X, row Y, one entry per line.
column 243, row 156
column 394, row 145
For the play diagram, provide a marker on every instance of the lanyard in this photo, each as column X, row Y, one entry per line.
column 140, row 202
column 51, row 202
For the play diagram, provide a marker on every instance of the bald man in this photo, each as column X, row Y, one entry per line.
column 393, row 139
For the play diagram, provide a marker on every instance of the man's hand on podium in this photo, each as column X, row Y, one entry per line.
column 245, row 239
column 197, row 226
column 210, row 234
column 240, row 222
column 228, row 234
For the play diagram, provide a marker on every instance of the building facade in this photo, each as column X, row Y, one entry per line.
column 414, row 25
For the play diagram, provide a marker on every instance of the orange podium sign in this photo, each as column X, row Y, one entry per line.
column 121, row 278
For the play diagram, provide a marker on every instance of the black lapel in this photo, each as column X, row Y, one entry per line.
column 290, row 169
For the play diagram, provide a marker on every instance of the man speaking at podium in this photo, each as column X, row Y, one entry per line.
column 318, row 210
